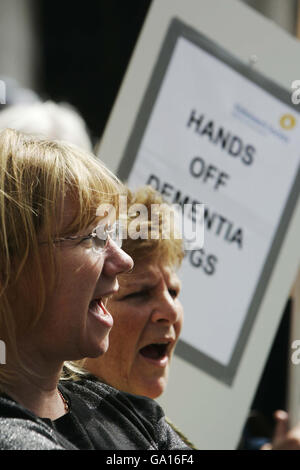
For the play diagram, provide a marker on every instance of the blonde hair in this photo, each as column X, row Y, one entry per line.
column 35, row 178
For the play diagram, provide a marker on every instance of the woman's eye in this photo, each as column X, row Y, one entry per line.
column 136, row 295
column 86, row 240
column 173, row 293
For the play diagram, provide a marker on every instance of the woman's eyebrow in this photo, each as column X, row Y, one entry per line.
column 147, row 283
column 140, row 285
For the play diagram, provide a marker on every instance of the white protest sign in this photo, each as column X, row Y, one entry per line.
column 202, row 127
column 216, row 137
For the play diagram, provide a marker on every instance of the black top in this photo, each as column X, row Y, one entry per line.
column 100, row 417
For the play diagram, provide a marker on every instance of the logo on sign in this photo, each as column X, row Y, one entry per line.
column 287, row 122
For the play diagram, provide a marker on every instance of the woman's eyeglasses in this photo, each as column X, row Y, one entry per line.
column 99, row 237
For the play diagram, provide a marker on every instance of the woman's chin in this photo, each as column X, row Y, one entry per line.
column 97, row 349
column 152, row 389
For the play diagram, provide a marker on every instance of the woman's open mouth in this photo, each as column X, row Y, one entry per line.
column 98, row 310
column 156, row 353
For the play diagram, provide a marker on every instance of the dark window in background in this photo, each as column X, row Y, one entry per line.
column 85, row 50
column 271, row 393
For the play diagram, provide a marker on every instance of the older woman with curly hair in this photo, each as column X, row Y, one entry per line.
column 147, row 311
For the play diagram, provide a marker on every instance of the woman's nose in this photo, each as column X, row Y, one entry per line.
column 166, row 310
column 117, row 261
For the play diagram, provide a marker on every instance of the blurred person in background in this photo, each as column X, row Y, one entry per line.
column 16, row 94
column 47, row 119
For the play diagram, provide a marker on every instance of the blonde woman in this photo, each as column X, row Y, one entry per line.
column 55, row 277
